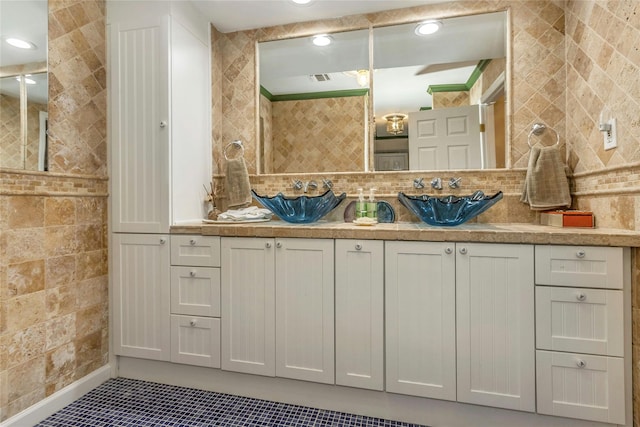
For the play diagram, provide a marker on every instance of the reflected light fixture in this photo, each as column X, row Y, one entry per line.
column 19, row 43
column 301, row 2
column 428, row 27
column 27, row 80
column 395, row 123
column 362, row 77
column 322, row 40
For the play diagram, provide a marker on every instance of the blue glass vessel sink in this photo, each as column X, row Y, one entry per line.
column 448, row 210
column 301, row 209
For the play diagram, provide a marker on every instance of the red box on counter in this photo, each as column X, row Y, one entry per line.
column 568, row 219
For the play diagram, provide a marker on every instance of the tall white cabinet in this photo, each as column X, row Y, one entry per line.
column 159, row 156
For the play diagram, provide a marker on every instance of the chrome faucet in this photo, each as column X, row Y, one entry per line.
column 310, row 185
column 436, row 183
column 417, row 183
column 297, row 185
column 327, row 184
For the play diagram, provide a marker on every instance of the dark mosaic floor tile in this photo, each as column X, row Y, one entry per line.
column 122, row 402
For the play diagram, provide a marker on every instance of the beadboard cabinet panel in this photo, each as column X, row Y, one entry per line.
column 248, row 305
column 140, row 285
column 360, row 313
column 420, row 319
column 195, row 340
column 495, row 325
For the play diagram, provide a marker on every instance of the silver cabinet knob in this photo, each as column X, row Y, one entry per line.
column 192, row 242
column 463, row 251
column 163, row 240
column 358, row 247
column 267, row 245
column 448, row 251
column 581, row 296
column 163, row 124
column 278, row 244
column 581, row 363
column 193, row 322
column 192, row 273
column 581, row 253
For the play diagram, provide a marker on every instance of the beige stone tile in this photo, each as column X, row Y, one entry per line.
column 88, row 349
column 60, row 240
column 26, row 378
column 59, row 211
column 91, row 264
column 60, row 301
column 4, row 395
column 91, row 319
column 26, row 344
column 25, row 401
column 25, row 211
column 60, row 331
column 60, row 271
column 25, row 278
column 25, row 310
column 92, row 291
column 89, row 237
column 22, row 245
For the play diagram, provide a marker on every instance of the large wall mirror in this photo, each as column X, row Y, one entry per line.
column 23, row 84
column 419, row 101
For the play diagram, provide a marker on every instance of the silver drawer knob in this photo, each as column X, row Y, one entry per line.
column 192, row 242
column 163, row 240
column 193, row 322
column 581, row 296
column 358, row 247
column 581, row 253
column 267, row 245
column 278, row 244
column 581, row 363
column 192, row 273
column 163, row 124
column 448, row 251
column 463, row 251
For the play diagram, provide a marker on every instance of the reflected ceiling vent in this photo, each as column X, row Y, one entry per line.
column 319, row 77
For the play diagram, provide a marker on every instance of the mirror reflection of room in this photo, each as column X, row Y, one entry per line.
column 449, row 86
column 23, row 85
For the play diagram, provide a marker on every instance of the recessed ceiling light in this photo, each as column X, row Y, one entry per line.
column 322, row 40
column 19, row 43
column 302, row 2
column 428, row 27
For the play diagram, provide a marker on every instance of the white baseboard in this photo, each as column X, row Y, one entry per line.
column 58, row 400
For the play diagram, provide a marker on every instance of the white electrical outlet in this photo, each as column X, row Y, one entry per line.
column 610, row 137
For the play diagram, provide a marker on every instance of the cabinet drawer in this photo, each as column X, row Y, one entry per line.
column 579, row 320
column 581, row 386
column 581, row 266
column 195, row 291
column 195, row 340
column 203, row 251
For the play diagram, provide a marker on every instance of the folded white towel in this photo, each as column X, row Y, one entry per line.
column 244, row 214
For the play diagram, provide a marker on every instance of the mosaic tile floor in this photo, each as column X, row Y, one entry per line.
column 124, row 402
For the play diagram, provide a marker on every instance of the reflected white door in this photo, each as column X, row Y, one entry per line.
column 447, row 138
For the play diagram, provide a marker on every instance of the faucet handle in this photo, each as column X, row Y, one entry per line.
column 417, row 183
column 312, row 185
column 327, row 184
column 297, row 184
column 454, row 182
column 436, row 183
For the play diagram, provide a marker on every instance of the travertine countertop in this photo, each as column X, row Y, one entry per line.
column 474, row 232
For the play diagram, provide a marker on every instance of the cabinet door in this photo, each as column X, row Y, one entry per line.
column 360, row 313
column 581, row 386
column 495, row 318
column 195, row 340
column 139, row 142
column 420, row 319
column 140, row 285
column 305, row 315
column 248, row 305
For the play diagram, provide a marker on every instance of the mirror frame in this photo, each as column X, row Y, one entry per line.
column 385, row 19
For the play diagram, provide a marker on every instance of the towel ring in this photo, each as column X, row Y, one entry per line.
column 538, row 129
column 235, row 143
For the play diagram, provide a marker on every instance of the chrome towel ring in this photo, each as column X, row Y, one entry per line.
column 236, row 143
column 538, row 129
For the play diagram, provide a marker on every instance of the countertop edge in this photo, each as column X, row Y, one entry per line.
column 483, row 233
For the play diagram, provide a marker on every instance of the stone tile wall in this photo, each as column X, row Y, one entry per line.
column 53, row 226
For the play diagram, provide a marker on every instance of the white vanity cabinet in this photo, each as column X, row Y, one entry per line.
column 420, row 319
column 248, row 305
column 495, row 325
column 140, row 295
column 305, row 309
column 481, row 294
column 195, row 300
column 581, row 328
column 277, row 307
column 359, row 288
